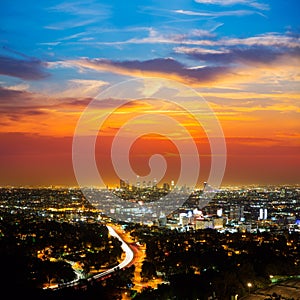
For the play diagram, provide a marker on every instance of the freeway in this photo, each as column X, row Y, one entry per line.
column 129, row 256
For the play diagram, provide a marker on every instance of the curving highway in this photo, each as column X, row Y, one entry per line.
column 129, row 256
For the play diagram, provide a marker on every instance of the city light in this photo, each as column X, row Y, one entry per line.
column 249, row 284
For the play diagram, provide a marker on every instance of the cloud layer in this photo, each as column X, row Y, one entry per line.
column 30, row 69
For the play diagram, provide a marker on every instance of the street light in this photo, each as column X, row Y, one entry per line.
column 249, row 284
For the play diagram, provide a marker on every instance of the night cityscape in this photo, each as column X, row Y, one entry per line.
column 55, row 244
column 150, row 150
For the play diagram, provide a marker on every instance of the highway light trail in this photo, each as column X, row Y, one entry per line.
column 129, row 255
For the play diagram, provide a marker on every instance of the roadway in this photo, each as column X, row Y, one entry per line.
column 139, row 257
column 129, row 255
column 128, row 260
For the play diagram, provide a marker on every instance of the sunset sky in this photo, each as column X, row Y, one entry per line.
column 241, row 56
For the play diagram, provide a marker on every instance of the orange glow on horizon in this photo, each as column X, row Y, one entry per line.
column 262, row 141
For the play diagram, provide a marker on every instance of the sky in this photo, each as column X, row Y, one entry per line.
column 241, row 57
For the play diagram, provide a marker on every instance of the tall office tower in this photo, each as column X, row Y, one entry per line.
column 172, row 184
column 166, row 186
column 219, row 212
column 237, row 212
column 265, row 214
column 122, row 184
column 261, row 213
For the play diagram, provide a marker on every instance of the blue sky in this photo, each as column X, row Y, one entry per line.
column 48, row 36
column 54, row 30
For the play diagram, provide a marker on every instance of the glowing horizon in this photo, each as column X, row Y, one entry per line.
column 242, row 58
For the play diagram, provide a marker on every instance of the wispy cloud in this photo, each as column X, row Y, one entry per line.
column 73, row 36
column 81, row 88
column 73, row 23
column 161, row 67
column 214, row 61
column 215, row 14
column 267, row 39
column 254, row 54
column 16, row 105
column 27, row 111
column 79, row 14
column 251, row 3
column 82, row 8
column 206, row 38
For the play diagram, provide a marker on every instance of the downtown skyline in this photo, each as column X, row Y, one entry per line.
column 241, row 56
